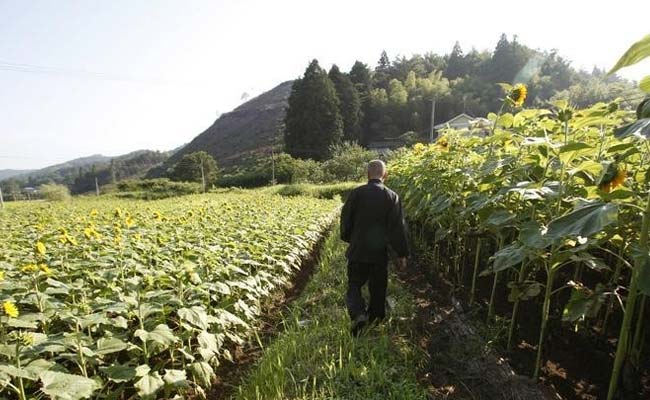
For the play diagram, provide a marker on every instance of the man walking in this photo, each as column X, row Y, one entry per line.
column 371, row 220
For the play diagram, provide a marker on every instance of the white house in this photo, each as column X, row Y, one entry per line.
column 465, row 121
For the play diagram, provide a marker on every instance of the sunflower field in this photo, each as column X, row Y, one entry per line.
column 122, row 299
column 553, row 207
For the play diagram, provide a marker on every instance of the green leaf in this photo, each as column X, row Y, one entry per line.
column 585, row 221
column 120, row 373
column 195, row 316
column 500, row 218
column 209, row 345
column 645, row 84
column 59, row 385
column 162, row 334
column 583, row 303
column 203, row 373
column 149, row 384
column 109, row 345
column 508, row 256
column 16, row 372
column 176, row 377
column 573, row 150
column 637, row 52
column 530, row 234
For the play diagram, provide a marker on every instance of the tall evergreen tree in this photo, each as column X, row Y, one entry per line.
column 455, row 63
column 382, row 77
column 313, row 121
column 362, row 79
column 349, row 104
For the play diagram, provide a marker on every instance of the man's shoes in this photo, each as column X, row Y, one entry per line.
column 358, row 324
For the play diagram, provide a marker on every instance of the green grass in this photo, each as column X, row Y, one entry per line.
column 327, row 191
column 315, row 357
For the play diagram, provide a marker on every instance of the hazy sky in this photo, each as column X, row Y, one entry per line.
column 115, row 76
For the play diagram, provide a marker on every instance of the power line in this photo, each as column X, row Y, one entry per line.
column 84, row 74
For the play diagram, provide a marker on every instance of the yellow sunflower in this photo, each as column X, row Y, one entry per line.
column 442, row 143
column 10, row 309
column 29, row 268
column 418, row 148
column 40, row 248
column 613, row 178
column 518, row 94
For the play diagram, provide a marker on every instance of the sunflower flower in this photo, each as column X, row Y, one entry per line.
column 29, row 268
column 2, row 275
column 129, row 222
column 418, row 148
column 10, row 309
column 442, row 143
column 518, row 94
column 45, row 269
column 40, row 248
column 613, row 178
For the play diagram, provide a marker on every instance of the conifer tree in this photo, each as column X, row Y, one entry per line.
column 349, row 104
column 313, row 121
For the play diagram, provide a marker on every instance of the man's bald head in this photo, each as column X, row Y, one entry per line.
column 376, row 169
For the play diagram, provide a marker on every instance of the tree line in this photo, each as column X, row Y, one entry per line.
column 395, row 97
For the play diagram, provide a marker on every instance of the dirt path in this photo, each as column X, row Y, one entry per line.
column 461, row 365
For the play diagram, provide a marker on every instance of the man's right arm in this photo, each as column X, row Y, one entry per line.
column 347, row 218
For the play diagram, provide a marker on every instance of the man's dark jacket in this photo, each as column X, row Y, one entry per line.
column 371, row 219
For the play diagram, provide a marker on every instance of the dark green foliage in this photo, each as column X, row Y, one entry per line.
column 348, row 163
column 313, row 122
column 362, row 80
column 152, row 189
column 383, row 71
column 79, row 175
column 349, row 104
column 319, row 191
column 195, row 167
column 456, row 66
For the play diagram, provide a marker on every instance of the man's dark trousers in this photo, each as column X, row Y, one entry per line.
column 376, row 274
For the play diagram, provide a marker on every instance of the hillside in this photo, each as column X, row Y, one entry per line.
column 79, row 174
column 247, row 130
column 8, row 173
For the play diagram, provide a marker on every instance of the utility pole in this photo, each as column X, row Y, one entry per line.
column 202, row 176
column 96, row 187
column 433, row 118
column 272, row 167
column 2, row 201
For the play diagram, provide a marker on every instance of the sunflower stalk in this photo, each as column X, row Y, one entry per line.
column 623, row 338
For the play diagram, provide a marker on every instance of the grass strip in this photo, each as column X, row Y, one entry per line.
column 315, row 357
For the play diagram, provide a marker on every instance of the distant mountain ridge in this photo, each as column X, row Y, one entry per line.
column 245, row 132
column 9, row 173
column 79, row 174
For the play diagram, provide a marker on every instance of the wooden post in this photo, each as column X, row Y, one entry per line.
column 96, row 187
column 202, row 176
column 433, row 117
column 2, row 201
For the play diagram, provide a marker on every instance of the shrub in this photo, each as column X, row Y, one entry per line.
column 54, row 192
column 151, row 189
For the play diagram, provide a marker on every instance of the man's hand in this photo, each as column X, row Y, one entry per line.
column 401, row 263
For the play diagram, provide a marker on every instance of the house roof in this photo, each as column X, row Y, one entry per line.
column 453, row 120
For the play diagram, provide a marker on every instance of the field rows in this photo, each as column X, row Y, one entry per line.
column 111, row 299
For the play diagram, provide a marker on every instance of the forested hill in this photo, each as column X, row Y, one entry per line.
column 240, row 134
column 395, row 97
column 79, row 174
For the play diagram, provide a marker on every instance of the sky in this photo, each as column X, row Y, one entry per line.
column 109, row 77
